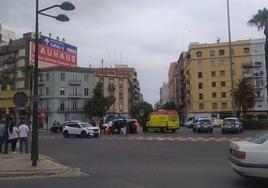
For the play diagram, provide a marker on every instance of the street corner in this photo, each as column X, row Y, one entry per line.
column 19, row 166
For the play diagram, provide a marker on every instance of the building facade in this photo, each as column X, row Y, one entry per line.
column 64, row 92
column 164, row 94
column 122, row 83
column 172, row 82
column 206, row 82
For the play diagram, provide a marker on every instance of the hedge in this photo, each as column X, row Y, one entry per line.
column 253, row 124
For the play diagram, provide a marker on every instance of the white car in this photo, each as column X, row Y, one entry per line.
column 250, row 158
column 81, row 129
column 231, row 124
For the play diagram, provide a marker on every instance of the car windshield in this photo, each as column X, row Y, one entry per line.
column 84, row 125
column 204, row 121
column 261, row 138
column 229, row 121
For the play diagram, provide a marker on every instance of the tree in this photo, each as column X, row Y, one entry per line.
column 169, row 106
column 245, row 96
column 5, row 81
column 98, row 105
column 260, row 20
column 141, row 111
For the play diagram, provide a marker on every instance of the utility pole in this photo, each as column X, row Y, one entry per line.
column 231, row 61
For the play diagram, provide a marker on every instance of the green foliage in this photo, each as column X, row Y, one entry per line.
column 244, row 95
column 253, row 124
column 147, row 108
column 260, row 20
column 98, row 105
column 169, row 106
column 5, row 80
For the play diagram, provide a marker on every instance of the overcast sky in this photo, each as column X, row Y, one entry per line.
column 145, row 34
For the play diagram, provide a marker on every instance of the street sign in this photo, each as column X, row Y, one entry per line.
column 20, row 99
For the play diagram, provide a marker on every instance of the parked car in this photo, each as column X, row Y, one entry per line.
column 249, row 158
column 56, row 128
column 202, row 125
column 231, row 124
column 82, row 129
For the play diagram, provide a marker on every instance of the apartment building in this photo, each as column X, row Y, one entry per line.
column 122, row 83
column 164, row 94
column 206, row 76
column 64, row 92
column 172, row 82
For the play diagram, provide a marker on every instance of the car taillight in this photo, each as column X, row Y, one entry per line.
column 238, row 154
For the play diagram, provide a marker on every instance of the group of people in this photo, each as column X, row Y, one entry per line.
column 21, row 134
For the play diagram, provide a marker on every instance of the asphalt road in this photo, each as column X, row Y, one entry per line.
column 183, row 159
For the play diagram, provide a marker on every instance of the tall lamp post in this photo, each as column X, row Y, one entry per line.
column 231, row 61
column 61, row 17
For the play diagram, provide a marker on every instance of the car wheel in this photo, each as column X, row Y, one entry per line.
column 96, row 136
column 83, row 134
column 58, row 130
column 66, row 134
column 211, row 131
column 222, row 131
column 197, row 130
column 174, row 130
column 194, row 130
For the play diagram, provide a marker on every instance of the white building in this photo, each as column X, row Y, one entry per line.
column 6, row 35
column 164, row 94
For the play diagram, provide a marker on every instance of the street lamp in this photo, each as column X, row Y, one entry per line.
column 231, row 61
column 61, row 17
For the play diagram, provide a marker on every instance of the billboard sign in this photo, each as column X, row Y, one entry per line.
column 53, row 53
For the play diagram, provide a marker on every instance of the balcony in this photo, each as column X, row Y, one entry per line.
column 41, row 82
column 75, row 82
column 258, row 87
column 69, row 110
column 75, row 95
column 253, row 75
column 251, row 64
column 260, row 98
column 111, row 87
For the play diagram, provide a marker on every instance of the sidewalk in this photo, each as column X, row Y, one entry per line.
column 19, row 166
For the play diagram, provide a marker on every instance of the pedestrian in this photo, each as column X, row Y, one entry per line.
column 24, row 134
column 2, row 134
column 13, row 136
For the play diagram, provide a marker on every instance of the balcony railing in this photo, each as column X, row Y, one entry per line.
column 73, row 95
column 74, row 82
column 251, row 64
column 253, row 75
column 260, row 98
column 111, row 87
column 70, row 110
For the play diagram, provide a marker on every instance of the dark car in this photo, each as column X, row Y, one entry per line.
column 56, row 128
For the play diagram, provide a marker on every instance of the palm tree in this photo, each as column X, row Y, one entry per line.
column 260, row 20
column 244, row 95
column 5, row 81
column 28, row 72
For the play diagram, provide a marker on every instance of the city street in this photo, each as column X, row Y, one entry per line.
column 182, row 159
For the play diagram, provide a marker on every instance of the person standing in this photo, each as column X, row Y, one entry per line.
column 2, row 134
column 24, row 134
column 13, row 136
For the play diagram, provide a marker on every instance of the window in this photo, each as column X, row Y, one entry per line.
column 199, row 54
column 258, row 63
column 47, row 91
column 221, row 52
column 222, row 73
column 62, row 76
column 224, row 105
column 214, row 106
column 61, row 105
column 101, row 80
column 120, row 83
column 40, row 77
column 19, row 84
column 223, row 94
column 47, row 76
column 212, row 52
column 212, row 63
column 223, row 84
column 246, row 50
column 121, row 107
column 20, row 63
column 74, row 105
column 201, row 97
column 221, row 62
column 86, row 91
column 214, row 95
column 86, row 78
column 201, row 106
column 200, row 85
column 21, row 52
column 213, row 84
column 213, row 73
column 199, row 74
column 74, row 77
column 62, row 91
column 74, row 91
column 40, row 91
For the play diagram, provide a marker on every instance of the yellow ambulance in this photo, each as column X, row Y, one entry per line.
column 166, row 120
